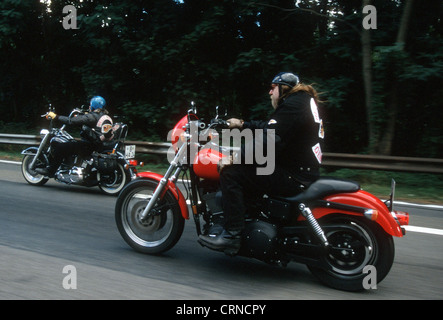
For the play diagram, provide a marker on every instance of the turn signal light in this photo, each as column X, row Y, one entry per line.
column 371, row 214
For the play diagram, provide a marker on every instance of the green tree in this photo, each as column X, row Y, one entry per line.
column 150, row 59
column 20, row 58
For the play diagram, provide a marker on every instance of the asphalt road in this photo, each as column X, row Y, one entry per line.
column 55, row 234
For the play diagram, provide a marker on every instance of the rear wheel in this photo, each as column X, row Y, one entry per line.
column 30, row 175
column 362, row 243
column 113, row 182
column 157, row 233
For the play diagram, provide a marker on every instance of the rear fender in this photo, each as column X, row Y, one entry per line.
column 361, row 199
column 169, row 186
column 30, row 151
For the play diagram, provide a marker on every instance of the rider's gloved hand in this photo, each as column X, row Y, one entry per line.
column 235, row 123
column 51, row 115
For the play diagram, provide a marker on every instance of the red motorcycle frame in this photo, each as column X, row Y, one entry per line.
column 333, row 227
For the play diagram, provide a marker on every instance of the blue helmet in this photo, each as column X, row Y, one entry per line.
column 97, row 102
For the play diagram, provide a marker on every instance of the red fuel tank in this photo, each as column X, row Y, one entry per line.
column 206, row 163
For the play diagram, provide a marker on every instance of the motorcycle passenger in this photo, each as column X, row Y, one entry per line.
column 96, row 128
column 298, row 139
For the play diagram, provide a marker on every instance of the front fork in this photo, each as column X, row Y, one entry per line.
column 39, row 151
column 174, row 170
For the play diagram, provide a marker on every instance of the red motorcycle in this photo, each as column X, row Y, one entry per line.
column 334, row 227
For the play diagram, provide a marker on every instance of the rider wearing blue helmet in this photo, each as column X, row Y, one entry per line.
column 97, row 102
column 96, row 128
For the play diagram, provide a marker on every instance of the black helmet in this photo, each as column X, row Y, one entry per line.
column 286, row 78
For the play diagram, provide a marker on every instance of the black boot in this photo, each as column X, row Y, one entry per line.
column 224, row 241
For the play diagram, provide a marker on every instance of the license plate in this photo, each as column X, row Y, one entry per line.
column 130, row 151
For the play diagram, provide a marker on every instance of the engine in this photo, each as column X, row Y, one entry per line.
column 260, row 241
column 259, row 238
column 75, row 175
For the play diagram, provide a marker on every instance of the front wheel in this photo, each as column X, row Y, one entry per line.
column 362, row 243
column 30, row 175
column 160, row 231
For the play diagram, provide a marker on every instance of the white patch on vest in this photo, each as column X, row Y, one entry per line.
column 103, row 119
column 105, row 128
column 317, row 152
column 272, row 121
column 314, row 111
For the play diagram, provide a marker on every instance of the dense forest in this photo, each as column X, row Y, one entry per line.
column 381, row 82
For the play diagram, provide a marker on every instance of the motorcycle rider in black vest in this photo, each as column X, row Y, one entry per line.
column 96, row 128
column 298, row 140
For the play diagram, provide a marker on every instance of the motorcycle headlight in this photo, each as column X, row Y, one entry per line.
column 44, row 132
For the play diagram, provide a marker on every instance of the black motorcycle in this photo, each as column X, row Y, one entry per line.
column 110, row 168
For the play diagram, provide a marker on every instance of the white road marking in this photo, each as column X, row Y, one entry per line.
column 424, row 230
column 408, row 228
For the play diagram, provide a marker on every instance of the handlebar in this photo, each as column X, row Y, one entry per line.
column 219, row 122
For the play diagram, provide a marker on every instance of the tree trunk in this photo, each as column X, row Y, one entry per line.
column 367, row 81
column 385, row 144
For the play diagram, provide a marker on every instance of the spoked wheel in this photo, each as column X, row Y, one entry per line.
column 113, row 182
column 362, row 243
column 160, row 231
column 30, row 175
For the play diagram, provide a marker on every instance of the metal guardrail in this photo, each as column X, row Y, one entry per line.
column 338, row 160
column 375, row 162
column 24, row 139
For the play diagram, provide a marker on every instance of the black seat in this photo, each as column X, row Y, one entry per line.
column 323, row 187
